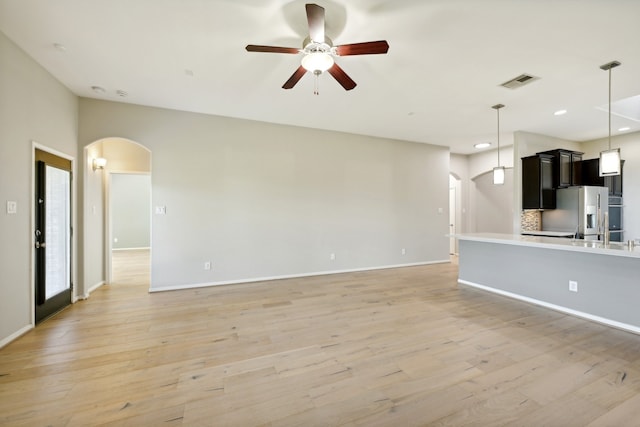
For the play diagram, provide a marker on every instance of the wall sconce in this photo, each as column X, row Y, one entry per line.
column 99, row 163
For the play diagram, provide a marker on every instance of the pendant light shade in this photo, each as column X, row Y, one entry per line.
column 610, row 159
column 498, row 171
column 498, row 175
column 610, row 162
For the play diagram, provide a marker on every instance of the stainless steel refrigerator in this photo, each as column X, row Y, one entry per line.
column 580, row 210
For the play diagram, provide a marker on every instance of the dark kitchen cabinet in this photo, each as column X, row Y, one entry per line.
column 567, row 170
column 614, row 182
column 537, row 182
column 591, row 176
column 591, row 172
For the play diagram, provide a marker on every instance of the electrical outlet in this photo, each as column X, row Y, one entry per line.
column 573, row 286
column 332, row 257
column 404, row 251
column 207, row 265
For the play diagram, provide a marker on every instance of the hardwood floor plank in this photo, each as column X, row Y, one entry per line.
column 625, row 414
column 388, row 347
column 498, row 410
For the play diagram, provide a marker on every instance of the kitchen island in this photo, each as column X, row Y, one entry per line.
column 579, row 277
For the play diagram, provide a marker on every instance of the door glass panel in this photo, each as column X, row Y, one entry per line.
column 57, row 236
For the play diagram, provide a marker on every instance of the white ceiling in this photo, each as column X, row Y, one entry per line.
column 437, row 84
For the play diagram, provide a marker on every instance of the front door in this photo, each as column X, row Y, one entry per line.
column 52, row 234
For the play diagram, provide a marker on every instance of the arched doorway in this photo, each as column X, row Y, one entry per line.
column 120, row 192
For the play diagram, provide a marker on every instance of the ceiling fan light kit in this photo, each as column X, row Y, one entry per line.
column 317, row 62
column 319, row 53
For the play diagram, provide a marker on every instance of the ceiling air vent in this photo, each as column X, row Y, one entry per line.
column 519, row 81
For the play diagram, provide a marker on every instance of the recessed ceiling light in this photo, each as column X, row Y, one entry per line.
column 482, row 145
column 560, row 112
column 98, row 89
column 624, row 129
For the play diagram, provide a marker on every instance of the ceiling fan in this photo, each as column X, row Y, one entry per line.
column 319, row 53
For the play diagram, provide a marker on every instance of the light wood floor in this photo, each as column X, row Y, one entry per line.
column 385, row 348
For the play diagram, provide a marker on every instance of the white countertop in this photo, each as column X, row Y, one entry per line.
column 575, row 245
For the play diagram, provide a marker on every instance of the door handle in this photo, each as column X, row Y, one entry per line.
column 39, row 244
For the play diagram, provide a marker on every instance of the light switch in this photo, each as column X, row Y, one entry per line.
column 12, row 207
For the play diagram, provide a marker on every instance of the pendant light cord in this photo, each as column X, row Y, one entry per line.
column 608, row 67
column 498, row 112
column 610, row 108
column 497, row 107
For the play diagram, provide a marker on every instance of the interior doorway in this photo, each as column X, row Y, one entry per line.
column 129, row 219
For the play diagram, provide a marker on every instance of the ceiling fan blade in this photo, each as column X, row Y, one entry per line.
column 366, row 48
column 342, row 77
column 315, row 18
column 295, row 78
column 271, row 49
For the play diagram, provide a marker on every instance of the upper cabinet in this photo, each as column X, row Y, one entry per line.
column 591, row 176
column 537, row 182
column 567, row 167
column 549, row 170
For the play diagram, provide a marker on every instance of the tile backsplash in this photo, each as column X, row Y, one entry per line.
column 531, row 220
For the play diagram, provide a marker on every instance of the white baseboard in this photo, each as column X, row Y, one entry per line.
column 91, row 289
column 562, row 309
column 15, row 335
column 289, row 276
column 146, row 248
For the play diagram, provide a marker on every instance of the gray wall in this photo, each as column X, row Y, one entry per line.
column 130, row 204
column 493, row 204
column 607, row 284
column 33, row 107
column 262, row 200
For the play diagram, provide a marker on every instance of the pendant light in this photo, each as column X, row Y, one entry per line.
column 498, row 172
column 610, row 159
